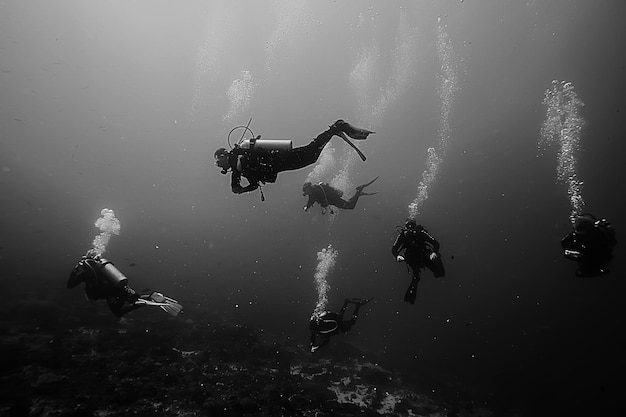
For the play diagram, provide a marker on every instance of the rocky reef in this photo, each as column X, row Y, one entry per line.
column 157, row 365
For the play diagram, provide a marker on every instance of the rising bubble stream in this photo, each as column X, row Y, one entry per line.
column 326, row 259
column 108, row 225
column 563, row 125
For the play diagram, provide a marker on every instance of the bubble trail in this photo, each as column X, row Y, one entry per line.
column 563, row 125
column 326, row 259
column 448, row 87
column 373, row 102
column 240, row 95
column 325, row 163
column 221, row 25
column 293, row 19
column 108, row 225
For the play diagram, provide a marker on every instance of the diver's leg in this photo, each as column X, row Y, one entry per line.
column 358, row 303
column 355, row 313
column 304, row 156
column 361, row 187
column 324, row 341
column 346, row 302
column 351, row 204
column 124, row 303
column 411, row 293
column 116, row 305
column 436, row 267
column 127, row 308
column 346, row 205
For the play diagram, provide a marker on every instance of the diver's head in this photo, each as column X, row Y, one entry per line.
column 307, row 187
column 221, row 159
column 410, row 224
column 583, row 225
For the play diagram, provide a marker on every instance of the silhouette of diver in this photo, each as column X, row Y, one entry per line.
column 590, row 244
column 260, row 165
column 103, row 281
column 421, row 250
column 326, row 195
column 328, row 324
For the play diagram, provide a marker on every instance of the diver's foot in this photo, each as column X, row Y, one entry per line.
column 359, row 301
column 157, row 297
column 354, row 132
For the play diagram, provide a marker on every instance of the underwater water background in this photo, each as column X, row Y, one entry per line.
column 121, row 104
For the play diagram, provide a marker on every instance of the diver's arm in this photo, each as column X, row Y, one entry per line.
column 397, row 245
column 76, row 277
column 309, row 203
column 431, row 240
column 82, row 272
column 235, row 184
column 567, row 240
column 313, row 342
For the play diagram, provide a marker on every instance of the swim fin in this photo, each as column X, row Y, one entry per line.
column 354, row 132
column 345, row 138
column 369, row 183
column 173, row 308
column 411, row 292
column 169, row 305
column 360, row 188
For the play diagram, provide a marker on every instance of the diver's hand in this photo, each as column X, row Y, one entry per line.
column 314, row 348
column 572, row 254
column 433, row 256
column 400, row 258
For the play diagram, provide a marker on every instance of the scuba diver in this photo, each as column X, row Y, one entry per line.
column 260, row 161
column 327, row 195
column 103, row 281
column 591, row 244
column 328, row 324
column 421, row 250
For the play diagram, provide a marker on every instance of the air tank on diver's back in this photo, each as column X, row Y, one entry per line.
column 112, row 273
column 267, row 144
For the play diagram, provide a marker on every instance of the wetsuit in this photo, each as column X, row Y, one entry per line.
column 328, row 323
column 590, row 244
column 418, row 245
column 120, row 297
column 262, row 166
column 326, row 195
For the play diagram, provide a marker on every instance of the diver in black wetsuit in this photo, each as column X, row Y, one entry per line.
column 327, row 195
column 590, row 244
column 327, row 324
column 260, row 166
column 103, row 281
column 421, row 250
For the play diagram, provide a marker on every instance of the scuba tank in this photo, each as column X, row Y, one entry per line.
column 113, row 274
column 266, row 144
column 255, row 142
